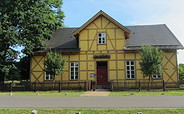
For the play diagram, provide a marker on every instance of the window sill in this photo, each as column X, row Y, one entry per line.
column 130, row 79
column 101, row 44
column 48, row 80
column 74, row 80
column 156, row 78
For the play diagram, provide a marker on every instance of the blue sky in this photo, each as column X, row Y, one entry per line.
column 130, row 12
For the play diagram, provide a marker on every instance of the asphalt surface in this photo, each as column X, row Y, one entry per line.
column 92, row 102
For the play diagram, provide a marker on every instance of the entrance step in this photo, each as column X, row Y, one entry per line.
column 102, row 90
column 102, row 86
column 96, row 93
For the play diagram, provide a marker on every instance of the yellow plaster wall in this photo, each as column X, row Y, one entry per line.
column 115, row 37
column 116, row 66
column 115, row 41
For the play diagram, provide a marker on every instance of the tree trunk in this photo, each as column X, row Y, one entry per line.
column 1, row 77
column 149, row 83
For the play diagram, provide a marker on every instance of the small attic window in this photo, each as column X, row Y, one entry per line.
column 101, row 38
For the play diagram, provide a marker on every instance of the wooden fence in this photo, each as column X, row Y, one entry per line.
column 89, row 85
column 47, row 86
column 124, row 85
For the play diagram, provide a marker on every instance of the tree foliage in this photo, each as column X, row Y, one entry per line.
column 181, row 71
column 54, row 64
column 26, row 23
column 24, row 67
column 151, row 61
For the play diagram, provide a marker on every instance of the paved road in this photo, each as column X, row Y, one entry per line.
column 92, row 102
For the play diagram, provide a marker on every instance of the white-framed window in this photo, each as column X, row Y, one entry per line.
column 130, row 69
column 49, row 77
column 74, row 71
column 157, row 77
column 101, row 38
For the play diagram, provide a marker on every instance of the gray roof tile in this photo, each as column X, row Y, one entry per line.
column 156, row 35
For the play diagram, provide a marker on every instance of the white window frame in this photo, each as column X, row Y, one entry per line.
column 76, row 65
column 157, row 77
column 132, row 76
column 102, row 38
column 51, row 77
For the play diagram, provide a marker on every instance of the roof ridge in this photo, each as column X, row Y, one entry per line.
column 69, row 28
column 144, row 25
column 125, row 26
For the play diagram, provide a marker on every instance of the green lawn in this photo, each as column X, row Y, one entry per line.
column 45, row 93
column 71, row 93
column 147, row 93
column 93, row 111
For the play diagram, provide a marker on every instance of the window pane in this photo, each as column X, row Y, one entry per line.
column 132, row 67
column 76, row 77
column 128, row 68
column 127, row 62
column 128, row 72
column 76, row 64
column 128, row 76
column 99, row 34
column 76, row 69
column 47, row 77
column 99, row 41
column 132, row 63
column 72, row 70
column 72, row 64
column 51, row 77
column 132, row 76
column 103, row 34
column 101, row 38
column 132, row 72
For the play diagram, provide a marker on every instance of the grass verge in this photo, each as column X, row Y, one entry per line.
column 147, row 93
column 45, row 93
column 93, row 111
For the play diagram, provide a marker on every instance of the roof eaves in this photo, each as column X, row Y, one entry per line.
column 176, row 47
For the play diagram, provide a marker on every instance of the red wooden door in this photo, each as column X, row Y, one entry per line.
column 102, row 75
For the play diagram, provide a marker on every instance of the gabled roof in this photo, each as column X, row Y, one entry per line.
column 155, row 35
column 101, row 13
column 63, row 40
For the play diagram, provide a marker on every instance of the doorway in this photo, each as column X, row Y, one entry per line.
column 102, row 73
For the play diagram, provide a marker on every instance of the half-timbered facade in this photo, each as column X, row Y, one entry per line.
column 103, row 50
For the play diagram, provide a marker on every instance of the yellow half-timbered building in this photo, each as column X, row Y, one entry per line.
column 104, row 50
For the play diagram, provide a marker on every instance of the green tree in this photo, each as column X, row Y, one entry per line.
column 26, row 23
column 181, row 65
column 54, row 64
column 24, row 67
column 14, row 73
column 181, row 71
column 151, row 61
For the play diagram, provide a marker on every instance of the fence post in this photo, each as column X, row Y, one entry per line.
column 86, row 85
column 59, row 86
column 139, row 85
column 35, row 87
column 111, row 85
column 10, row 89
column 164, row 86
column 148, row 85
column 52, row 85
